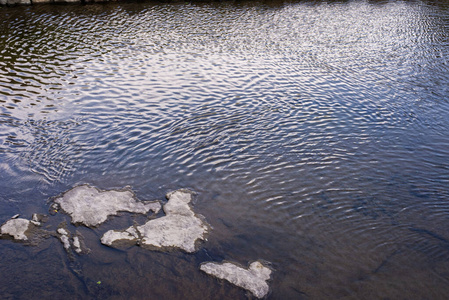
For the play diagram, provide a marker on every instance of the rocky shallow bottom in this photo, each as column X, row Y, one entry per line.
column 179, row 229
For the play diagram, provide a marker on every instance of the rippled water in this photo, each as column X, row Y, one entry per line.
column 315, row 134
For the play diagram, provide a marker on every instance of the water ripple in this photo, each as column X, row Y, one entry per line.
column 324, row 123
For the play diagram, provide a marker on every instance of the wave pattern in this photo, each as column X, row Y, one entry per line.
column 326, row 120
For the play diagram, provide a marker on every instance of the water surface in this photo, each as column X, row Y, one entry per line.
column 314, row 133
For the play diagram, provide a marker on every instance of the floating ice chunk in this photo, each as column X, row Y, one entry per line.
column 25, row 230
column 253, row 279
column 72, row 242
column 179, row 228
column 91, row 207
column 174, row 231
column 112, row 236
column 16, row 228
column 37, row 219
column 62, row 231
column 77, row 244
column 64, row 237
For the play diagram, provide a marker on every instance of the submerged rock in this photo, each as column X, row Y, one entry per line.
column 16, row 228
column 179, row 228
column 253, row 279
column 91, row 207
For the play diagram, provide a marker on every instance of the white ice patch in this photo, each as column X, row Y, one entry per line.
column 16, row 228
column 112, row 236
column 77, row 244
column 64, row 237
column 253, row 279
column 179, row 228
column 91, row 207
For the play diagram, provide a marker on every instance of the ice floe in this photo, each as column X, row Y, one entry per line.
column 16, row 228
column 64, row 238
column 253, row 279
column 179, row 228
column 90, row 206
column 113, row 236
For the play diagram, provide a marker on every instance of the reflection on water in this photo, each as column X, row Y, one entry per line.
column 315, row 134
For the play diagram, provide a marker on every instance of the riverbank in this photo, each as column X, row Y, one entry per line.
column 31, row 2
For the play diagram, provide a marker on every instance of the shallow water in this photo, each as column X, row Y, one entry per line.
column 314, row 133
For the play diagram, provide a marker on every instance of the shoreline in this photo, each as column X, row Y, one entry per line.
column 12, row 3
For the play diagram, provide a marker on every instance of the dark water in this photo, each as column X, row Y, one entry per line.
column 316, row 135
